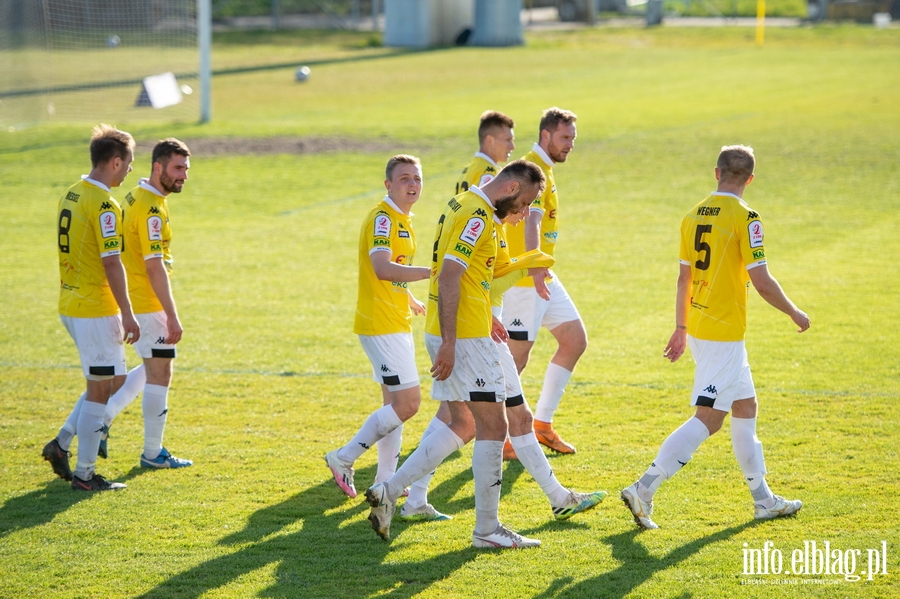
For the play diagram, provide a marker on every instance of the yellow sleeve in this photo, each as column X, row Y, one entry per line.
column 532, row 259
column 500, row 285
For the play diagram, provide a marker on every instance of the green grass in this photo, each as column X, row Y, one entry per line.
column 269, row 376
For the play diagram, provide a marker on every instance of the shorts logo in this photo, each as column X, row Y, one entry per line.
column 755, row 229
column 710, row 389
column 108, row 223
column 161, row 341
column 382, row 226
column 472, row 232
column 463, row 249
column 479, row 383
column 385, row 368
column 154, row 228
column 517, row 323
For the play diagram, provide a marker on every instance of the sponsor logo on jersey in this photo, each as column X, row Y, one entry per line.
column 400, row 259
column 708, row 211
column 72, row 197
column 154, row 228
column 105, row 206
column 480, row 212
column 755, row 229
column 759, row 254
column 111, row 244
column 129, row 198
column 403, row 234
column 550, row 236
column 382, row 226
column 473, row 230
column 156, row 247
column 454, row 205
column 153, row 210
column 552, row 213
column 751, row 215
column 463, row 249
column 377, row 242
column 108, row 223
column 489, row 262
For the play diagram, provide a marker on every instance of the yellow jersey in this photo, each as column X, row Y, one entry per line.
column 547, row 204
column 721, row 239
column 382, row 307
column 480, row 171
column 466, row 235
column 89, row 225
column 146, row 234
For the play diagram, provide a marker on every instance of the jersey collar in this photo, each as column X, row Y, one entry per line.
column 725, row 193
column 394, row 207
column 537, row 149
column 488, row 158
column 474, row 189
column 95, row 183
column 145, row 184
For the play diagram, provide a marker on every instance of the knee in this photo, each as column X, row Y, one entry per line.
column 521, row 421
column 406, row 405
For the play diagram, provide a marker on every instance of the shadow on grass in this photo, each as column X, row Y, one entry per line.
column 637, row 565
column 43, row 504
column 317, row 552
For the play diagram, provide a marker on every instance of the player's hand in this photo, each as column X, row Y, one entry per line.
column 417, row 307
column 174, row 331
column 801, row 320
column 677, row 345
column 131, row 327
column 444, row 361
column 540, row 276
column 498, row 331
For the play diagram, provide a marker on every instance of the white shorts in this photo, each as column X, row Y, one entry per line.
column 100, row 345
column 524, row 311
column 477, row 374
column 393, row 359
column 510, row 374
column 722, row 375
column 152, row 343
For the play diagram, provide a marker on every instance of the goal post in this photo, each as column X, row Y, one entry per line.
column 78, row 61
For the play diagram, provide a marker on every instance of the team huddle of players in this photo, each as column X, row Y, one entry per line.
column 491, row 290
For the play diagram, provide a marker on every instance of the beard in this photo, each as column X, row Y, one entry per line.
column 170, row 185
column 505, row 206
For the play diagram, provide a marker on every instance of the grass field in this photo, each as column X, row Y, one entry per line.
column 270, row 377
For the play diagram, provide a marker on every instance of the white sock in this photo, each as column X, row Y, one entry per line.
column 487, row 470
column 532, row 457
column 90, row 425
column 675, row 452
column 418, row 492
column 427, row 456
column 378, row 425
column 130, row 389
column 388, row 454
column 155, row 407
column 555, row 380
column 70, row 428
column 749, row 453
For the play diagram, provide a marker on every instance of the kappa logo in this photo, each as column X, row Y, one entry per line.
column 105, row 206
column 490, row 169
column 161, row 341
column 752, row 214
column 479, row 383
column 498, row 483
column 385, row 368
column 711, row 389
column 517, row 323
column 153, row 210
column 480, row 212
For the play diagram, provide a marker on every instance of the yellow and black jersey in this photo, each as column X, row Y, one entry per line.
column 146, row 234
column 480, row 171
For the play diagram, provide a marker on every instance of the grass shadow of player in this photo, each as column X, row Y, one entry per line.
column 43, row 504
column 316, row 551
column 636, row 565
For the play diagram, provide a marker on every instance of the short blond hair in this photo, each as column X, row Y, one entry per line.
column 736, row 164
column 554, row 117
column 399, row 159
column 107, row 143
column 492, row 119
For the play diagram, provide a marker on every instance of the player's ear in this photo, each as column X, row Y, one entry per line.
column 749, row 180
column 718, row 173
column 387, row 184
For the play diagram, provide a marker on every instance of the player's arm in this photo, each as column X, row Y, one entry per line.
column 532, row 226
column 448, row 304
column 417, row 307
column 386, row 270
column 769, row 289
column 115, row 275
column 159, row 281
column 678, row 341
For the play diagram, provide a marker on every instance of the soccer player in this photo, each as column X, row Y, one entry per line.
column 384, row 308
column 534, row 302
column 465, row 359
column 148, row 262
column 721, row 252
column 495, row 144
column 93, row 301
